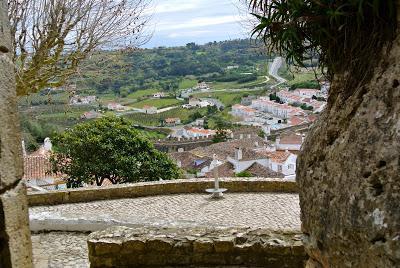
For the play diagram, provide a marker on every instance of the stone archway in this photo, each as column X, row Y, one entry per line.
column 15, row 242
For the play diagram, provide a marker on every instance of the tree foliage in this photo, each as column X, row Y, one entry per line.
column 109, row 148
column 52, row 37
column 343, row 33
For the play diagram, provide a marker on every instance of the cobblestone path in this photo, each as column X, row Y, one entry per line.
column 266, row 210
column 60, row 250
column 255, row 210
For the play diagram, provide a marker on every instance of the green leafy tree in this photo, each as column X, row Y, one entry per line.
column 109, row 148
column 220, row 136
column 244, row 174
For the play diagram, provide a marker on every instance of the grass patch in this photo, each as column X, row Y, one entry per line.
column 159, row 103
column 187, row 83
column 234, row 85
column 228, row 98
column 155, row 119
column 152, row 135
column 142, row 93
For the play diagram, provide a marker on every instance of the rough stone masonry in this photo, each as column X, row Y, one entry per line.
column 15, row 242
column 349, row 174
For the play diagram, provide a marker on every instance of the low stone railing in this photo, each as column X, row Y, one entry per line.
column 144, row 247
column 233, row 185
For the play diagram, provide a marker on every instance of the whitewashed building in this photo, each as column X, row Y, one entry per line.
column 243, row 111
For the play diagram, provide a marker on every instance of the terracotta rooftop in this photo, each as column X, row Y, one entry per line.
column 291, row 138
column 224, row 149
column 223, row 171
column 201, row 131
column 277, row 156
column 36, row 167
column 248, row 154
column 258, row 170
column 188, row 160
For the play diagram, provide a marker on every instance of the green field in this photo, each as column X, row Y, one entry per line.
column 228, row 98
column 155, row 119
column 260, row 82
column 187, row 83
column 142, row 93
column 300, row 77
column 159, row 103
column 153, row 135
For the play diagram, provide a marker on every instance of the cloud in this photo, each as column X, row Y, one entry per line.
column 175, row 6
column 200, row 22
column 188, row 34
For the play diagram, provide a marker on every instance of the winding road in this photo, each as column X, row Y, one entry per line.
column 273, row 71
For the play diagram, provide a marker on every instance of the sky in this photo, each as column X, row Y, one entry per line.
column 178, row 22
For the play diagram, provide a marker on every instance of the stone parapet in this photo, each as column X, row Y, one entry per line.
column 144, row 247
column 142, row 189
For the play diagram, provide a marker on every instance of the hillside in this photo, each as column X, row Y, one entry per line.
column 124, row 72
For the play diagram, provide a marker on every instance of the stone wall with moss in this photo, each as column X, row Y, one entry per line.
column 144, row 247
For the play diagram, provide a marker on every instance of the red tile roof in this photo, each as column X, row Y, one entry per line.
column 37, row 167
column 277, row 156
column 291, row 138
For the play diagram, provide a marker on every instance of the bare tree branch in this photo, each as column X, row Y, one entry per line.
column 52, row 37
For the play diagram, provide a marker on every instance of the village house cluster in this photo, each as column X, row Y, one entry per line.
column 244, row 156
column 283, row 109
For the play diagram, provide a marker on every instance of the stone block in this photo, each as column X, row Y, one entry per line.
column 182, row 247
column 159, row 245
column 172, row 247
column 15, row 215
column 179, row 259
column 154, row 259
column 133, row 246
column 224, row 244
column 107, row 247
column 203, row 245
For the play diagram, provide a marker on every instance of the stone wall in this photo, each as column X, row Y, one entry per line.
column 144, row 247
column 349, row 172
column 15, row 243
column 160, row 188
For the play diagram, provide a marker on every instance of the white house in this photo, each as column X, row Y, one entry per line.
column 202, row 86
column 281, row 161
column 243, row 111
column 194, row 102
column 306, row 92
column 195, row 132
column 172, row 121
column 148, row 109
column 116, row 106
column 199, row 122
column 245, row 158
column 79, row 100
column 289, row 97
column 159, row 95
column 290, row 142
column 276, row 109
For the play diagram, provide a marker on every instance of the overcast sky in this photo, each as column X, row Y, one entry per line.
column 178, row 22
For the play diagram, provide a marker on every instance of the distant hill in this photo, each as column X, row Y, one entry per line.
column 164, row 68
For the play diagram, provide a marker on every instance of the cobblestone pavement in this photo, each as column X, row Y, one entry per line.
column 265, row 210
column 60, row 250
column 255, row 210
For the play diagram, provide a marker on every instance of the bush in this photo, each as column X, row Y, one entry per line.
column 109, row 148
column 244, row 174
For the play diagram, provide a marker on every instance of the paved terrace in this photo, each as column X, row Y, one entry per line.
column 266, row 210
